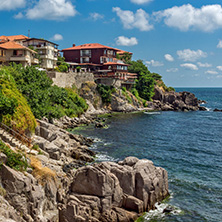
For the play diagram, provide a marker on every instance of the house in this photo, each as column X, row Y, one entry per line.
column 11, row 51
column 102, row 61
column 16, row 38
column 47, row 51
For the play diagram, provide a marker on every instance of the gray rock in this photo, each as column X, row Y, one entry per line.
column 3, row 158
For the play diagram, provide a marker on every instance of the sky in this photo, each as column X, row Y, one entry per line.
column 179, row 39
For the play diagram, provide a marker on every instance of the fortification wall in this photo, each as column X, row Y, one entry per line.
column 69, row 79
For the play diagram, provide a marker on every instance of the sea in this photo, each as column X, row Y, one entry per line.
column 187, row 144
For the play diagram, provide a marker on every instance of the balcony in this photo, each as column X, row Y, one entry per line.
column 19, row 58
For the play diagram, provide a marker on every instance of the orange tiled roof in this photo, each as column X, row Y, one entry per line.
column 13, row 37
column 14, row 45
column 90, row 46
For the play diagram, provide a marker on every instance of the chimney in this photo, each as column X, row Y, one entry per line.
column 74, row 45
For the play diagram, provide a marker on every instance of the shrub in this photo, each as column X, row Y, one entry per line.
column 42, row 174
column 15, row 160
column 15, row 111
column 45, row 99
column 105, row 92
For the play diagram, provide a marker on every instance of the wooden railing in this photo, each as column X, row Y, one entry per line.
column 21, row 137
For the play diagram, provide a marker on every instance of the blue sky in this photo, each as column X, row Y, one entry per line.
column 179, row 39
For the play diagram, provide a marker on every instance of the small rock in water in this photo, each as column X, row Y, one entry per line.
column 202, row 108
column 217, row 110
column 168, row 209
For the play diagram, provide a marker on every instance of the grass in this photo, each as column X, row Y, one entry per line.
column 15, row 160
column 42, row 174
column 2, row 191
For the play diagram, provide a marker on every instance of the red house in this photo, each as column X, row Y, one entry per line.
column 101, row 60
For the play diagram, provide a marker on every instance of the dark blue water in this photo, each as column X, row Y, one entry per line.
column 187, row 144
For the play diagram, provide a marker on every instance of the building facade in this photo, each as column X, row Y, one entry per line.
column 11, row 51
column 47, row 51
column 99, row 59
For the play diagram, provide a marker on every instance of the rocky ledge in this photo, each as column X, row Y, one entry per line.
column 114, row 192
column 60, row 186
column 176, row 101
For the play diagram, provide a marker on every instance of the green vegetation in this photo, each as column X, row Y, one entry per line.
column 14, row 109
column 127, row 96
column 43, row 98
column 62, row 65
column 15, row 160
column 126, row 57
column 105, row 92
column 146, row 80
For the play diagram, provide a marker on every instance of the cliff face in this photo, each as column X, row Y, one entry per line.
column 59, row 186
column 114, row 191
column 175, row 101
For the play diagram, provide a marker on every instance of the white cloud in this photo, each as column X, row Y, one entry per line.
column 211, row 72
column 169, row 57
column 191, row 55
column 207, row 18
column 154, row 63
column 96, row 16
column 140, row 2
column 52, row 10
column 189, row 66
column 122, row 40
column 204, row 65
column 219, row 68
column 130, row 20
column 172, row 70
column 11, row 4
column 219, row 45
column 19, row 16
column 57, row 37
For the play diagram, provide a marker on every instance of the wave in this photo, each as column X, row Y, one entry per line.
column 152, row 113
column 160, row 211
column 104, row 158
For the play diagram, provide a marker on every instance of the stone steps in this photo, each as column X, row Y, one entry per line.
column 14, row 143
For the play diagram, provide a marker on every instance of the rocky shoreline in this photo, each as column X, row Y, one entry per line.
column 61, row 186
column 65, row 185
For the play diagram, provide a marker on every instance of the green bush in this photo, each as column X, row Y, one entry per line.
column 45, row 99
column 62, row 65
column 105, row 92
column 16, row 161
column 15, row 111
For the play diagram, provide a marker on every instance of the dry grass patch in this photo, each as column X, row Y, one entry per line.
column 42, row 174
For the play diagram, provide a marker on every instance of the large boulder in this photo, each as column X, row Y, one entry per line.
column 26, row 195
column 110, row 191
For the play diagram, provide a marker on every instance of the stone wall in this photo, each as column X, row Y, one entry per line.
column 110, row 82
column 63, row 79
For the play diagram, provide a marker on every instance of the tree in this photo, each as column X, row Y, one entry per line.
column 145, row 86
column 126, row 57
column 62, row 65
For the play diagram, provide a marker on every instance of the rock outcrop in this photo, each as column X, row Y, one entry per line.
column 114, row 191
column 174, row 101
column 120, row 103
column 61, row 187
column 32, row 201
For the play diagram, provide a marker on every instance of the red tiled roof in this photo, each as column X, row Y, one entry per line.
column 90, row 46
column 14, row 45
column 14, row 37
